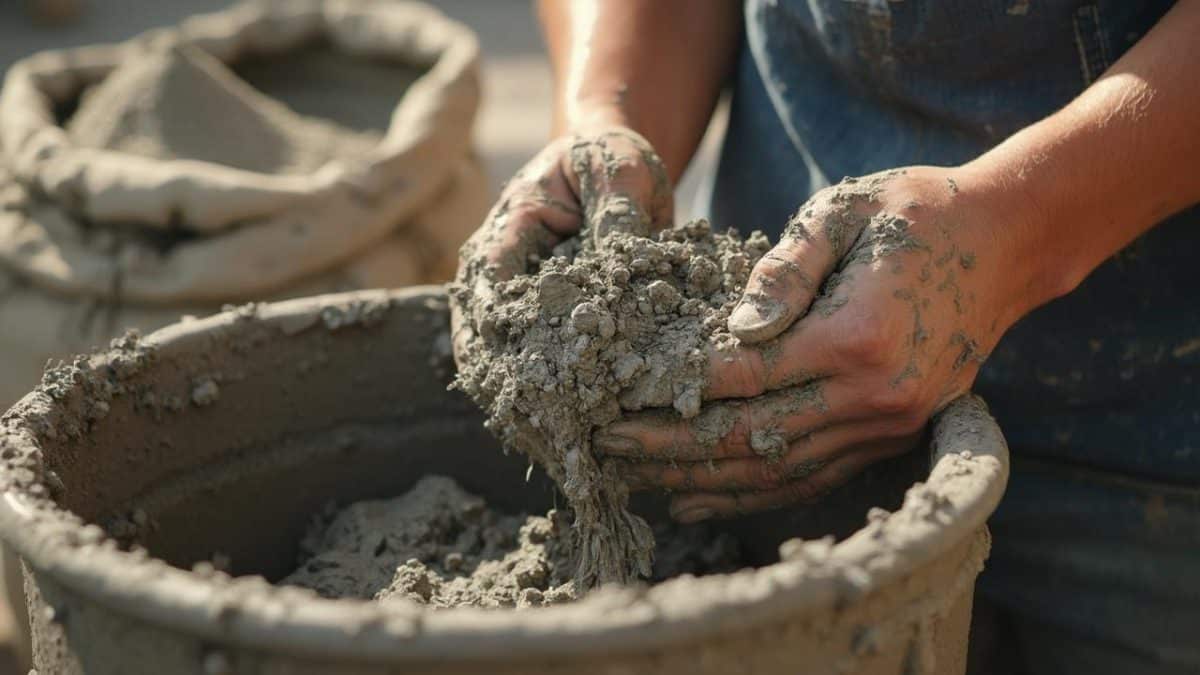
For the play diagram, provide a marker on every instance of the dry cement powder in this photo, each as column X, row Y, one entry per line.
column 441, row 546
column 181, row 103
column 608, row 323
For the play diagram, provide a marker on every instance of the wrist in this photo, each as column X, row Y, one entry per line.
column 584, row 116
column 1021, row 254
column 1043, row 259
column 596, row 111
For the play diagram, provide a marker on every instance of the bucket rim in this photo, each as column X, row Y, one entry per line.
column 969, row 459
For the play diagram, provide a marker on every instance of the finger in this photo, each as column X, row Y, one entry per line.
column 784, row 282
column 521, row 237
column 805, row 353
column 621, row 183
column 852, row 337
column 802, row 353
column 759, row 426
column 780, row 288
column 658, row 194
column 700, row 506
column 497, row 252
column 645, row 176
column 538, row 208
column 618, row 212
column 803, row 457
column 521, row 228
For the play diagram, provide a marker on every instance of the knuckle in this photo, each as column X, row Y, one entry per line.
column 911, row 421
column 750, row 374
column 783, row 257
column 823, row 196
column 768, row 475
column 807, row 491
column 804, row 224
column 900, row 399
column 687, row 479
column 866, row 342
column 738, row 440
column 622, row 168
column 782, row 266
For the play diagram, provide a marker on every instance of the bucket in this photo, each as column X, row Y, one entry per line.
column 124, row 472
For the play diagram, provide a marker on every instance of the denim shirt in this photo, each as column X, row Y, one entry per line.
column 1107, row 377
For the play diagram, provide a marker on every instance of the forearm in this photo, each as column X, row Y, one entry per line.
column 656, row 66
column 1086, row 181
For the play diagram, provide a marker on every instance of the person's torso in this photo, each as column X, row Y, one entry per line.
column 1106, row 376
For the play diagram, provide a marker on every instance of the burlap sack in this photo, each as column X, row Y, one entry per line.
column 95, row 240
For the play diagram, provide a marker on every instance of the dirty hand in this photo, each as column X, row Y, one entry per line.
column 608, row 176
column 874, row 311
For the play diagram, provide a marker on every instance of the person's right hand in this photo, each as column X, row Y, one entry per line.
column 608, row 177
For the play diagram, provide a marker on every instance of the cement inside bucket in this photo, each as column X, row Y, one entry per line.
column 251, row 511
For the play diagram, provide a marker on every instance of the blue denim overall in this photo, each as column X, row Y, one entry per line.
column 1096, row 556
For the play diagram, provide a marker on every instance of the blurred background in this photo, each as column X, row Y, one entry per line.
column 513, row 122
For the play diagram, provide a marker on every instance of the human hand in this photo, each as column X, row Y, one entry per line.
column 608, row 177
column 873, row 312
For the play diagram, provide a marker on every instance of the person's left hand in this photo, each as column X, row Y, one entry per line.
column 875, row 311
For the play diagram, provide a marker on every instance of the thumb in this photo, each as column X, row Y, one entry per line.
column 785, row 281
column 781, row 288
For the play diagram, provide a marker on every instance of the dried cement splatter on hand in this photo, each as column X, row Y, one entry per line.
column 608, row 323
column 440, row 546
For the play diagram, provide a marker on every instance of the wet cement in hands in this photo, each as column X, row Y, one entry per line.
column 612, row 321
column 440, row 546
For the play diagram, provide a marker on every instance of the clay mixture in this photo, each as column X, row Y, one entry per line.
column 441, row 546
column 612, row 321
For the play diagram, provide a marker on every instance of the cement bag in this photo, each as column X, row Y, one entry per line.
column 150, row 179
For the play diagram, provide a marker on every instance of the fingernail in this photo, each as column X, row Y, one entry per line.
column 612, row 444
column 752, row 316
column 745, row 314
column 692, row 514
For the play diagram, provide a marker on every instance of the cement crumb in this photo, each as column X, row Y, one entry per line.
column 205, row 392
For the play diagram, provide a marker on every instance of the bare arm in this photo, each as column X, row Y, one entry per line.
column 1119, row 159
column 655, row 66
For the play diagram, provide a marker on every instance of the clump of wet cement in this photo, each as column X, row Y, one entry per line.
column 441, row 546
column 611, row 321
